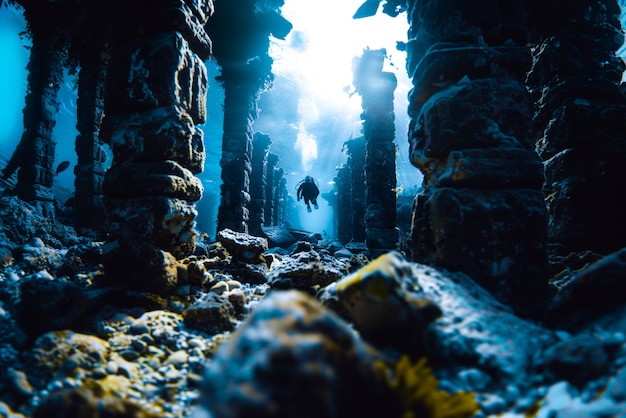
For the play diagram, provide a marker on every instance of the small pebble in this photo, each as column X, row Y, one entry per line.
column 194, row 380
column 43, row 275
column 154, row 363
column 129, row 355
column 238, row 299
column 139, row 327
column 196, row 352
column 156, row 352
column 177, row 359
column 111, row 367
column 492, row 404
column 219, row 288
column 122, row 318
column 233, row 284
column 99, row 373
column 127, row 369
column 70, row 365
column 139, row 345
column 195, row 343
column 20, row 382
column 147, row 338
column 172, row 375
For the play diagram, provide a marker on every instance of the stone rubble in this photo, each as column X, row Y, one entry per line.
column 305, row 335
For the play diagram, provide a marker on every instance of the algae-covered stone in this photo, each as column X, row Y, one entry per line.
column 293, row 358
column 242, row 246
column 383, row 311
column 97, row 399
column 59, row 353
column 307, row 270
column 211, row 313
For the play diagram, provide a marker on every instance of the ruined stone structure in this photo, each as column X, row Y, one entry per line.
column 482, row 210
column 241, row 33
column 90, row 168
column 156, row 95
column 270, row 189
column 376, row 88
column 258, row 183
column 281, row 196
column 57, row 32
column 579, row 124
column 356, row 160
column 49, row 26
column 342, row 207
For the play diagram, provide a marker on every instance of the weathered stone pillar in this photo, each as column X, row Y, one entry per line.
column 579, row 122
column 343, row 208
column 241, row 32
column 34, row 155
column 156, row 95
column 89, row 170
column 270, row 189
column 258, row 182
column 356, row 161
column 482, row 210
column 376, row 88
column 281, row 188
column 239, row 115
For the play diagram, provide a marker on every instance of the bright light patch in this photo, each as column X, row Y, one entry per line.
column 326, row 38
column 308, row 110
column 317, row 58
column 306, row 145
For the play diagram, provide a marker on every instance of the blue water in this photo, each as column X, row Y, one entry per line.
column 281, row 116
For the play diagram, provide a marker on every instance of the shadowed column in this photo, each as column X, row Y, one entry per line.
column 482, row 210
column 156, row 95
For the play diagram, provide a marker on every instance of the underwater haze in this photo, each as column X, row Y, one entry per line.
column 310, row 111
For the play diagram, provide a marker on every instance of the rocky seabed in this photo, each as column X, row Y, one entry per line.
column 315, row 329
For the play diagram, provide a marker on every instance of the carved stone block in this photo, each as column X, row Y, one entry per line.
column 498, row 237
column 158, row 71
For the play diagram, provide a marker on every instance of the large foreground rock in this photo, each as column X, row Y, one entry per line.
column 292, row 358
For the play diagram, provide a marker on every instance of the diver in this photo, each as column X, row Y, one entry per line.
column 308, row 190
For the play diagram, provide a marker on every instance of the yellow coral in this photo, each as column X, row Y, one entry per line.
column 417, row 391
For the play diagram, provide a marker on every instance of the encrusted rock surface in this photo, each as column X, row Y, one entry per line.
column 292, row 358
column 227, row 344
column 478, row 212
column 155, row 97
column 376, row 88
column 578, row 124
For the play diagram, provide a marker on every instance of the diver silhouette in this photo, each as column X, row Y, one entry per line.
column 308, row 190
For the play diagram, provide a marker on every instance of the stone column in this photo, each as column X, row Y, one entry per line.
column 240, row 111
column 270, row 189
column 280, row 183
column 579, row 123
column 34, row 155
column 343, row 209
column 89, row 170
column 482, row 210
column 376, row 88
column 241, row 32
column 156, row 95
column 356, row 161
column 258, row 183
